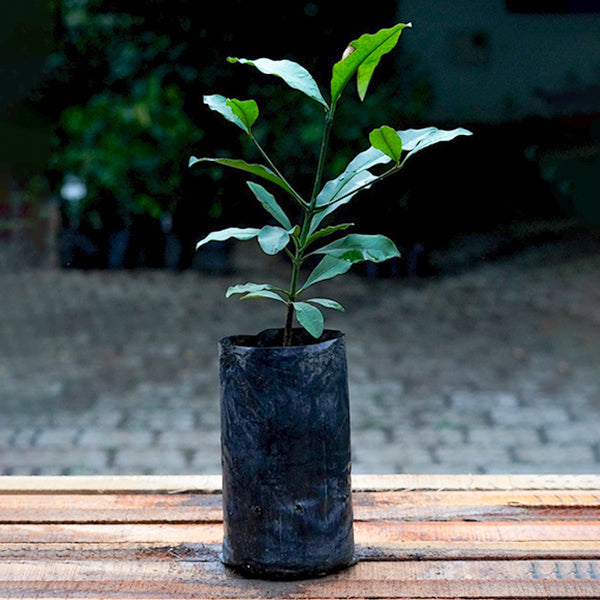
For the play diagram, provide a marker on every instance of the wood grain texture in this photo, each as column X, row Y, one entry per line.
column 48, row 507
column 417, row 537
column 212, row 483
column 430, row 579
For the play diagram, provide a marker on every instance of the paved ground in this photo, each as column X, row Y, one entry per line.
column 491, row 370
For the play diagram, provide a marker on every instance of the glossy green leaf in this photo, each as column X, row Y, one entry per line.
column 363, row 59
column 341, row 190
column 419, row 139
column 360, row 180
column 239, row 112
column 296, row 76
column 245, row 110
column 357, row 247
column 327, row 303
column 237, row 233
column 310, row 317
column 270, row 204
column 242, row 165
column 387, row 141
column 328, row 268
column 357, row 177
column 273, row 240
column 248, row 288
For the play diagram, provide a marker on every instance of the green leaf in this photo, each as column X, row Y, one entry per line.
column 248, row 288
column 327, row 303
column 364, row 58
column 296, row 76
column 242, row 165
column 245, row 110
column 358, row 181
column 264, row 294
column 357, row 177
column 328, row 268
column 327, row 231
column 415, row 140
column 226, row 234
column 270, row 204
column 273, row 240
column 310, row 317
column 388, row 141
column 357, row 247
column 242, row 113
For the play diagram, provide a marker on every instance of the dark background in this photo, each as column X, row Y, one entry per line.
column 111, row 92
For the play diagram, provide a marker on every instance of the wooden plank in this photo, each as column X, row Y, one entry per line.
column 472, row 537
column 398, row 550
column 199, row 507
column 488, row 531
column 100, row 484
column 159, row 533
column 475, row 482
column 477, row 505
column 367, row 533
column 429, row 579
column 109, row 508
column 212, row 483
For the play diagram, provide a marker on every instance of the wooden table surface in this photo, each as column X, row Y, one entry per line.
column 426, row 536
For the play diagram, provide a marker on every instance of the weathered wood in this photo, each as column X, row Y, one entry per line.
column 212, row 483
column 376, row 533
column 400, row 550
column 424, row 537
column 61, row 507
column 430, row 579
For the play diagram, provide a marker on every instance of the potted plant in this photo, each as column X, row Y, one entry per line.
column 285, row 427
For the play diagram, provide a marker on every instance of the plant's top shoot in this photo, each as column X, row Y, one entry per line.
column 389, row 150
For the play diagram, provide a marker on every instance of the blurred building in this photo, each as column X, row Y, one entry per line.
column 503, row 60
column 524, row 75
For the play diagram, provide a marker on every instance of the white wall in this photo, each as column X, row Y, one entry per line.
column 495, row 80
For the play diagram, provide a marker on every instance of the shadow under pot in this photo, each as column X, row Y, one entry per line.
column 285, row 449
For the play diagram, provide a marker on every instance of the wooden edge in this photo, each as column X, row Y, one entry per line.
column 174, row 484
column 474, row 482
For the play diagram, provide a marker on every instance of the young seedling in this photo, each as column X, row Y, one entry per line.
column 300, row 241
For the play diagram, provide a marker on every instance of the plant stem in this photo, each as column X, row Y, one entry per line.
column 309, row 213
column 292, row 292
column 322, row 155
column 289, row 321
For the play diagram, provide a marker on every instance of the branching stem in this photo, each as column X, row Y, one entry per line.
column 310, row 211
column 277, row 172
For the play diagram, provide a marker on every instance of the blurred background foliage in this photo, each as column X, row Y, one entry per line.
column 111, row 93
column 101, row 107
column 116, row 101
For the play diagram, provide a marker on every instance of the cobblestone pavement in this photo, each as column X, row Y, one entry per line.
column 490, row 370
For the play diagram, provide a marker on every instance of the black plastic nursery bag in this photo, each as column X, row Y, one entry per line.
column 285, row 437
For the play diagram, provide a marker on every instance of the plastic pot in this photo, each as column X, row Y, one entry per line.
column 285, row 441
